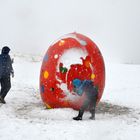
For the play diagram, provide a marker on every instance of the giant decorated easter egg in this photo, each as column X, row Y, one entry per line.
column 73, row 56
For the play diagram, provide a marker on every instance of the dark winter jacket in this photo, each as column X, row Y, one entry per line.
column 5, row 63
column 86, row 87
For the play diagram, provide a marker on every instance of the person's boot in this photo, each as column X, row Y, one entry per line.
column 92, row 114
column 79, row 117
column 2, row 100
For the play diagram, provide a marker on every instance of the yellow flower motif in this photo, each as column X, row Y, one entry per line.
column 46, row 74
column 92, row 76
column 61, row 42
column 47, row 106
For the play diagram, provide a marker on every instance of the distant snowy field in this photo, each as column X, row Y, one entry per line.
column 25, row 118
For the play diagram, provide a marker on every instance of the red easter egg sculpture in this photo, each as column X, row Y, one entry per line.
column 72, row 56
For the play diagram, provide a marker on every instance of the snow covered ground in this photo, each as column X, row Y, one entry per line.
column 25, row 118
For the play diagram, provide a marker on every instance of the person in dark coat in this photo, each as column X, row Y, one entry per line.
column 86, row 87
column 6, row 70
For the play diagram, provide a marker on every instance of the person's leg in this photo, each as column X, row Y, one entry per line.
column 80, row 114
column 82, row 109
column 0, row 86
column 1, row 99
column 93, row 107
column 5, row 86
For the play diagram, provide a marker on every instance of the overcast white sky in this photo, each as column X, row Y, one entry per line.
column 30, row 26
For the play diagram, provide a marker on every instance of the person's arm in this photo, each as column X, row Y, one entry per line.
column 11, row 67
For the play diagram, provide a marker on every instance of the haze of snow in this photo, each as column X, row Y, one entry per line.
column 25, row 118
column 30, row 26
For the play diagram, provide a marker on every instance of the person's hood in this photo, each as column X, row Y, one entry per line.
column 77, row 82
column 5, row 50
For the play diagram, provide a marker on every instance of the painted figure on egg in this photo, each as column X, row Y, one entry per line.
column 81, row 71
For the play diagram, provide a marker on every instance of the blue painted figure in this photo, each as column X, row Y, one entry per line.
column 6, row 70
column 86, row 87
